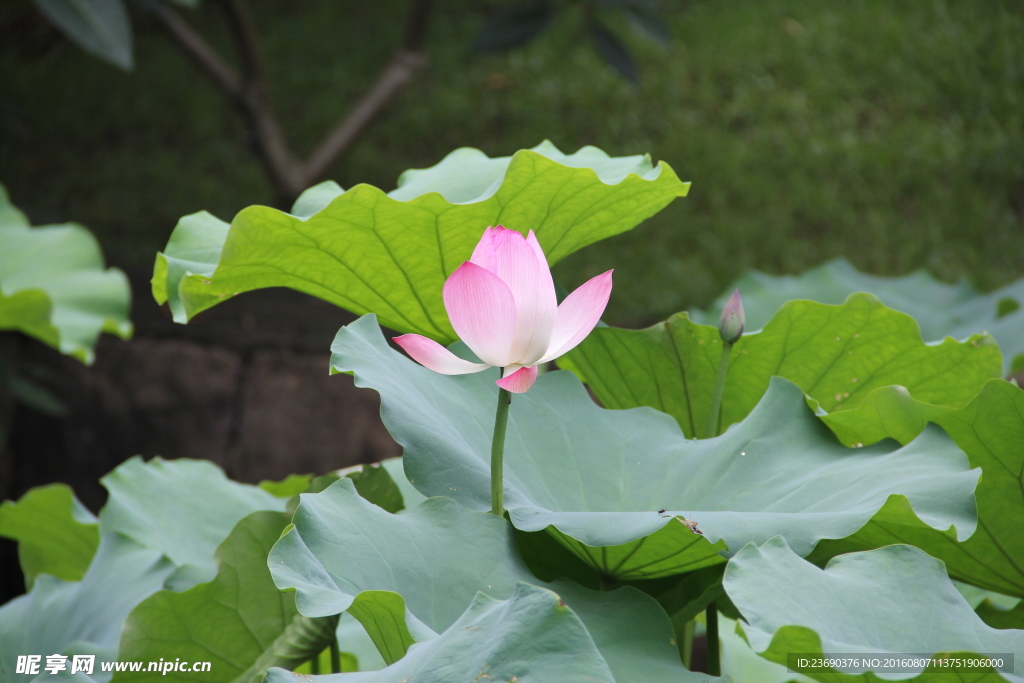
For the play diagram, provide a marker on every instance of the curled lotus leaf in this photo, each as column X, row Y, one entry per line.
column 390, row 253
column 532, row 635
column 54, row 286
column 409, row 576
column 883, row 602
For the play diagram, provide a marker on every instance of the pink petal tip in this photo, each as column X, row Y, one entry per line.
column 519, row 381
column 578, row 314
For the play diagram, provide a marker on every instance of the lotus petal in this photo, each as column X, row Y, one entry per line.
column 482, row 311
column 578, row 314
column 430, row 354
column 520, row 380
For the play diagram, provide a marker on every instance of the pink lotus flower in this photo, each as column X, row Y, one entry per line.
column 502, row 304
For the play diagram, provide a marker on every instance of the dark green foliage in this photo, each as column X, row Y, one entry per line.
column 891, row 133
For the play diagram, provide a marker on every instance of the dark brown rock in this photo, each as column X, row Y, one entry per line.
column 143, row 397
column 295, row 418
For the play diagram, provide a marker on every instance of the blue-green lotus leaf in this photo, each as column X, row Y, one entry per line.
column 412, row 574
column 183, row 508
column 54, row 287
column 613, row 484
column 531, row 636
column 82, row 617
column 943, row 310
column 883, row 602
column 365, row 250
column 990, row 430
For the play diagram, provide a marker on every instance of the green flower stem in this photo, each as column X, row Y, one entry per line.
column 314, row 665
column 335, row 656
column 687, row 643
column 498, row 453
column 716, row 396
column 714, row 645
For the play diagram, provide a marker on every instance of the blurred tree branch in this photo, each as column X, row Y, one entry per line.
column 250, row 92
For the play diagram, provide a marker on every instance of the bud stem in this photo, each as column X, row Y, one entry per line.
column 714, row 644
column 335, row 656
column 716, row 396
column 498, row 453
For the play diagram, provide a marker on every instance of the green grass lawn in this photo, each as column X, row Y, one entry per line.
column 889, row 133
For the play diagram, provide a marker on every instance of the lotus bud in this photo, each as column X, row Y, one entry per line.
column 730, row 325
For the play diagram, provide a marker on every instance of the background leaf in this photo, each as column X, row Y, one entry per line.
column 953, row 310
column 611, row 478
column 53, row 285
column 514, row 26
column 367, row 251
column 646, row 16
column 100, row 27
column 997, row 617
column 292, row 485
column 25, row 388
column 375, row 484
column 887, row 601
column 56, row 535
column 396, row 468
column 836, row 354
column 613, row 51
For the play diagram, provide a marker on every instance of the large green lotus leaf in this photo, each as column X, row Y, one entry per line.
column 884, row 602
column 239, row 622
column 56, row 535
column 344, row 552
column 53, row 285
column 990, row 430
column 836, row 354
column 598, row 478
column 943, row 310
column 83, row 617
column 365, row 250
column 531, row 636
column 183, row 508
